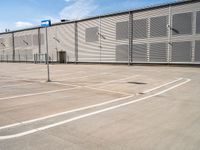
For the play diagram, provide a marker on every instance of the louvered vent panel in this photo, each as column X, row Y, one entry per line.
column 91, row 34
column 158, row 26
column 122, row 30
column 198, row 23
column 140, row 29
column 182, row 24
column 181, row 51
column 197, row 51
column 122, row 52
column 158, row 52
column 140, row 53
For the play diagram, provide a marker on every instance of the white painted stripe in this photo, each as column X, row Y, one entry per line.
column 150, row 90
column 113, row 81
column 14, row 85
column 20, row 77
column 84, row 76
column 65, row 84
column 89, row 87
column 66, row 112
column 34, row 94
column 64, row 74
column 90, row 114
column 29, row 71
column 11, row 79
column 187, row 80
column 110, row 91
column 75, row 110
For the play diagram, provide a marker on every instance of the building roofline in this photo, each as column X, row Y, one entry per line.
column 151, row 7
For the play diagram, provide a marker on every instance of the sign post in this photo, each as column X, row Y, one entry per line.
column 47, row 23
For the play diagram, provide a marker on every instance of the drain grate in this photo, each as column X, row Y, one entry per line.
column 136, row 82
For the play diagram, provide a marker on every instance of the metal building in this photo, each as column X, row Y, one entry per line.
column 168, row 33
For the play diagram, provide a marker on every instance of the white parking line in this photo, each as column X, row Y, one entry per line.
column 34, row 94
column 84, row 76
column 26, row 73
column 64, row 84
column 110, row 91
column 90, row 114
column 76, row 86
column 11, row 79
column 66, row 112
column 150, row 90
column 15, row 85
column 29, row 71
column 113, row 81
column 64, row 74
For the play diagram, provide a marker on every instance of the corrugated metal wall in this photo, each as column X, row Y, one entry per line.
column 53, row 43
column 42, row 40
column 6, row 47
column 163, row 35
column 61, row 38
column 184, row 33
column 150, row 36
column 26, row 45
column 114, row 38
column 103, row 39
column 66, row 34
column 89, row 48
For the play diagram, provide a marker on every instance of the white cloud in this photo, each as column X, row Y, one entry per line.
column 69, row 0
column 78, row 9
column 22, row 24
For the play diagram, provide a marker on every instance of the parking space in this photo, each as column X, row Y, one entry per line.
column 99, row 107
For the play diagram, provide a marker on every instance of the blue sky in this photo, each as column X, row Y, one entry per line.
column 18, row 14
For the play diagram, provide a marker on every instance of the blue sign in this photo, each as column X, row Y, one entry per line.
column 45, row 23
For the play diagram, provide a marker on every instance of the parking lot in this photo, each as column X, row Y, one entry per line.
column 88, row 107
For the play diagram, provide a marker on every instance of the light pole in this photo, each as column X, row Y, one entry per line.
column 47, row 23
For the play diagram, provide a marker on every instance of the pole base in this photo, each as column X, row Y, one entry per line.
column 49, row 80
